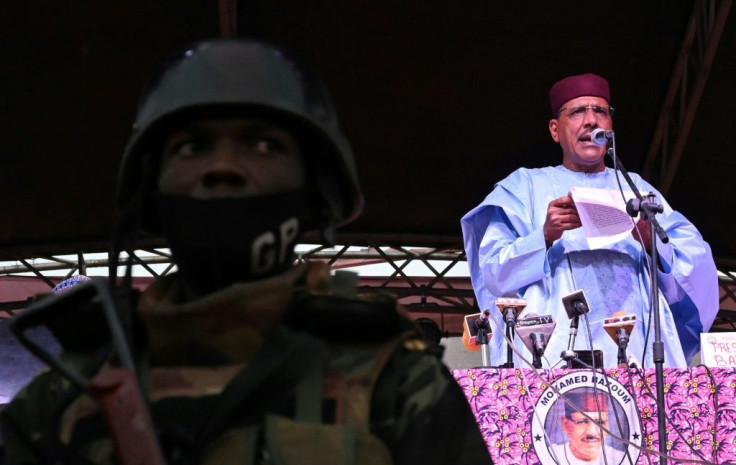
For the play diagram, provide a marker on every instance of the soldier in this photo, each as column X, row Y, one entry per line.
column 242, row 356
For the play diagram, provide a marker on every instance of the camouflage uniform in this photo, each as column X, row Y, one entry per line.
column 317, row 391
column 271, row 366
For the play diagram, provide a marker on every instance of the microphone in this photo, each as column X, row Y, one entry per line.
column 510, row 307
column 601, row 136
column 477, row 333
column 575, row 305
column 535, row 332
column 619, row 327
column 473, row 325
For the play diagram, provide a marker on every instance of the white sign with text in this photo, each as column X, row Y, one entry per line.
column 718, row 349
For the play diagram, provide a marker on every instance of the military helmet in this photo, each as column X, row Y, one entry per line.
column 243, row 74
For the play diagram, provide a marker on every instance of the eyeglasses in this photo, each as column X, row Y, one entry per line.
column 585, row 422
column 576, row 113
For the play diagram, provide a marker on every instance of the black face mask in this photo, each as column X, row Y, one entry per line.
column 217, row 242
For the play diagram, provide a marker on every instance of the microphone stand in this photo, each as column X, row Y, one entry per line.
column 623, row 341
column 569, row 355
column 483, row 327
column 649, row 208
column 577, row 308
column 538, row 340
column 509, row 316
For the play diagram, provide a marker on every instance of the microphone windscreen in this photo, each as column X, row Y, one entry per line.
column 619, row 320
column 470, row 330
column 469, row 346
column 504, row 302
column 575, row 304
column 532, row 323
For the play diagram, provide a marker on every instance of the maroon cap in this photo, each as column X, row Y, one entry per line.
column 578, row 86
column 585, row 400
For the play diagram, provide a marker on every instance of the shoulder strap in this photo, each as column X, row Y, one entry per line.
column 351, row 384
column 285, row 357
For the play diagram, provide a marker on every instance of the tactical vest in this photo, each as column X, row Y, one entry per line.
column 343, row 377
column 329, row 351
column 341, row 373
column 305, row 396
column 347, row 383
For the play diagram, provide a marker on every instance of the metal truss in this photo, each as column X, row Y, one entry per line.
column 431, row 289
column 685, row 91
column 425, row 280
column 52, row 269
column 428, row 281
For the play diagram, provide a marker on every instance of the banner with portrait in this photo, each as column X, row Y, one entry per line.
column 574, row 417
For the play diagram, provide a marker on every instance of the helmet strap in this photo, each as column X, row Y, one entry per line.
column 125, row 236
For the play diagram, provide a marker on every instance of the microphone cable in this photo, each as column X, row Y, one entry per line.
column 647, row 452
column 550, row 383
column 610, row 394
column 593, row 371
column 642, row 376
column 654, row 294
column 644, row 254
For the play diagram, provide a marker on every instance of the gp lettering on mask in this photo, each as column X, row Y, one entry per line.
column 267, row 249
column 218, row 242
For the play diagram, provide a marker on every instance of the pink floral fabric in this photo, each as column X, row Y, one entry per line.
column 700, row 410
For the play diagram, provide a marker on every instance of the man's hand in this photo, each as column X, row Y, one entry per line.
column 645, row 232
column 561, row 216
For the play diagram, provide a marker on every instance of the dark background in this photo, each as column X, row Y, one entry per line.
column 439, row 102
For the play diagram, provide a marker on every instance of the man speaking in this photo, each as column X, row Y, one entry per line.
column 526, row 239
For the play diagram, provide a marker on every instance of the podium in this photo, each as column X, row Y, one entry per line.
column 519, row 412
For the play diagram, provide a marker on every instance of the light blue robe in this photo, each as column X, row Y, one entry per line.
column 507, row 256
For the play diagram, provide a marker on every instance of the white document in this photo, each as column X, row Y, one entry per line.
column 603, row 215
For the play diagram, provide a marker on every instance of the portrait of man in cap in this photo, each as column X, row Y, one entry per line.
column 586, row 412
